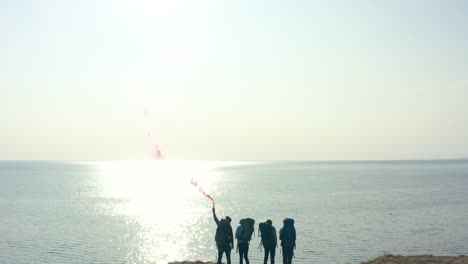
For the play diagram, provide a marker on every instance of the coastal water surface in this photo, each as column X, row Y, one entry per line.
column 148, row 212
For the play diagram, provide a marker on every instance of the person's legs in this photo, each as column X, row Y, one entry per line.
column 220, row 254
column 285, row 257
column 241, row 253
column 246, row 253
column 228, row 254
column 272, row 255
column 265, row 258
column 289, row 255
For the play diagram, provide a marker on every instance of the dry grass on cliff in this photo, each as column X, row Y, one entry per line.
column 192, row 262
column 426, row 259
column 388, row 259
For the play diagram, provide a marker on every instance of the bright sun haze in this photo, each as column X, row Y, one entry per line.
column 233, row 80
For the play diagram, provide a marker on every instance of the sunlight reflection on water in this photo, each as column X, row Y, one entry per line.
column 158, row 195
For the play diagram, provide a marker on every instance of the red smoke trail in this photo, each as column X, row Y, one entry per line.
column 157, row 153
column 194, row 183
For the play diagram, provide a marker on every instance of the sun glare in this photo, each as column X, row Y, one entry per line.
column 160, row 197
column 154, row 188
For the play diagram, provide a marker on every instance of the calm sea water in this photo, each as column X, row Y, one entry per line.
column 148, row 212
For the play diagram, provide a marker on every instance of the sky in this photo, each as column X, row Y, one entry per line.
column 233, row 80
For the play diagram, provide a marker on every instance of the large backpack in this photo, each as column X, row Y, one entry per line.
column 288, row 233
column 223, row 232
column 247, row 229
column 266, row 232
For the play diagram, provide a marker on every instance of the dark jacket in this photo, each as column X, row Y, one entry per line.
column 272, row 240
column 226, row 225
column 285, row 241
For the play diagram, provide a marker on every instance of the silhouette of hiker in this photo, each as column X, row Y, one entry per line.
column 242, row 245
column 224, row 238
column 269, row 241
column 287, row 236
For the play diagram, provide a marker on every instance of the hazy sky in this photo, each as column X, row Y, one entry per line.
column 233, row 80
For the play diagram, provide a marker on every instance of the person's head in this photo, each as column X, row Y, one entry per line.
column 228, row 218
column 269, row 222
column 288, row 221
column 241, row 221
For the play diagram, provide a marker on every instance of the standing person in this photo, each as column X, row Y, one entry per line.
column 287, row 236
column 269, row 241
column 224, row 238
column 243, row 235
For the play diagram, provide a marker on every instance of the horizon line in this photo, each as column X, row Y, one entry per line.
column 283, row 160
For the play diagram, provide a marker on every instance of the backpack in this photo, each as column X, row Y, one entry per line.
column 266, row 232
column 288, row 233
column 247, row 229
column 223, row 232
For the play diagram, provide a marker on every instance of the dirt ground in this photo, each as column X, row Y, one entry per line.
column 389, row 259
column 192, row 262
column 418, row 260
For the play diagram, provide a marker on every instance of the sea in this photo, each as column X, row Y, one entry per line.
column 150, row 212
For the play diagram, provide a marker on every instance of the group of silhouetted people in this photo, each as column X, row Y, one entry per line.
column 225, row 239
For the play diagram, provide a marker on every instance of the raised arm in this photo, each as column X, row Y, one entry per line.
column 214, row 216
